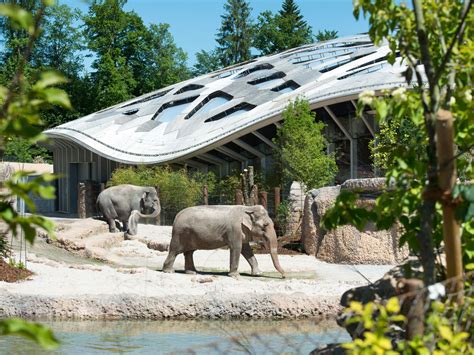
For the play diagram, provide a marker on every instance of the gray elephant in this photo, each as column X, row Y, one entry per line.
column 211, row 227
column 118, row 202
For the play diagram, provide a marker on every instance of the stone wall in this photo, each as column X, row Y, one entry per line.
column 346, row 244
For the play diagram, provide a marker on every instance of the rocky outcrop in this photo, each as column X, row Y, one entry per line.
column 346, row 244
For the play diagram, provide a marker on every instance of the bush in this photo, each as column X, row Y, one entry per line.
column 178, row 188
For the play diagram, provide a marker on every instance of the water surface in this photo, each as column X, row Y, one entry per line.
column 200, row 337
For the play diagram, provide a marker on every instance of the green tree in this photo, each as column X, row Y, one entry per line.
column 325, row 35
column 434, row 39
column 107, row 30
column 206, row 62
column 132, row 59
column 234, row 38
column 302, row 148
column 164, row 62
column 284, row 30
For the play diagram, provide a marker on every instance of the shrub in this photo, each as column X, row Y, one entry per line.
column 178, row 188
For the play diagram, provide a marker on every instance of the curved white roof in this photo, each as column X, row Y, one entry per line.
column 192, row 116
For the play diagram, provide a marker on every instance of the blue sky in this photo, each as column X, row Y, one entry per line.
column 194, row 23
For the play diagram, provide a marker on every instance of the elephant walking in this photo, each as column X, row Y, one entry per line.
column 211, row 227
column 118, row 202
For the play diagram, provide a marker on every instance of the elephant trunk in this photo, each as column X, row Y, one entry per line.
column 272, row 239
column 155, row 213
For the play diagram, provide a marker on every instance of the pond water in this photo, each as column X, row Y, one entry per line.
column 198, row 337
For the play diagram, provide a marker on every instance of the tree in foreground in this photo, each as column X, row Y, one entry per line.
column 302, row 148
column 437, row 35
column 20, row 107
column 234, row 38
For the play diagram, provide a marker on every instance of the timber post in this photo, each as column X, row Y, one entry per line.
column 446, row 181
column 205, row 195
column 264, row 199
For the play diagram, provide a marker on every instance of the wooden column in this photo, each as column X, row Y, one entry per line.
column 264, row 199
column 446, row 181
column 81, row 200
column 277, row 199
column 239, row 197
column 205, row 195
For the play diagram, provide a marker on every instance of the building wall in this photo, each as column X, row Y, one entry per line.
column 74, row 164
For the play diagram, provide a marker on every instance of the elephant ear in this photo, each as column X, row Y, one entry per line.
column 247, row 219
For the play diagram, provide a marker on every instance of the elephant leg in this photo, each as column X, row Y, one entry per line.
column 111, row 223
column 248, row 255
column 234, row 259
column 189, row 263
column 125, row 225
column 168, row 264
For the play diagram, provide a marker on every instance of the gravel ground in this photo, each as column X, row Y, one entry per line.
column 129, row 285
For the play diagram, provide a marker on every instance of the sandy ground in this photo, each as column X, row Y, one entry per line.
column 127, row 283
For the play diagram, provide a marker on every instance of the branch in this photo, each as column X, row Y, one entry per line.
column 456, row 38
column 423, row 40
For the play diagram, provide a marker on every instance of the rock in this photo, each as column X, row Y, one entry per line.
column 379, row 291
column 364, row 185
column 346, row 244
column 296, row 200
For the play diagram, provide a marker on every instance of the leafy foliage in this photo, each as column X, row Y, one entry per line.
column 34, row 331
column 178, row 188
column 439, row 36
column 301, row 151
column 446, row 326
column 325, row 35
column 234, row 37
column 20, row 119
column 284, row 30
column 206, row 62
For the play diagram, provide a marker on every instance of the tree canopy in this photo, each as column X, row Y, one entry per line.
column 234, row 37
column 284, row 30
column 302, row 148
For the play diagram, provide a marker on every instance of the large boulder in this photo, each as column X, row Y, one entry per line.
column 346, row 244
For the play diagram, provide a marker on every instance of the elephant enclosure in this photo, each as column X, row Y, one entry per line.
column 89, row 273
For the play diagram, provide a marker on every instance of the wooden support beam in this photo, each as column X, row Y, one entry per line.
column 249, row 148
column 232, row 154
column 365, row 120
column 265, row 139
column 353, row 142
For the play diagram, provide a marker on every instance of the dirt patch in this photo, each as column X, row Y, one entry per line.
column 10, row 273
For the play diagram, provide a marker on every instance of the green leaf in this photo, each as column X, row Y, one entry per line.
column 445, row 332
column 18, row 15
column 392, row 305
column 49, row 78
column 34, row 331
column 57, row 97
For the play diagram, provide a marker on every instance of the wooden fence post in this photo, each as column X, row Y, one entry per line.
column 413, row 306
column 264, row 199
column 277, row 199
column 81, row 200
column 446, row 182
column 239, row 198
column 205, row 195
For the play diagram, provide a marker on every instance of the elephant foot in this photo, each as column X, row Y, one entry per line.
column 256, row 272
column 190, row 272
column 168, row 271
column 234, row 275
column 115, row 230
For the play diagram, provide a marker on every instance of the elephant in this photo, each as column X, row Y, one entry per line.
column 211, row 227
column 118, row 202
